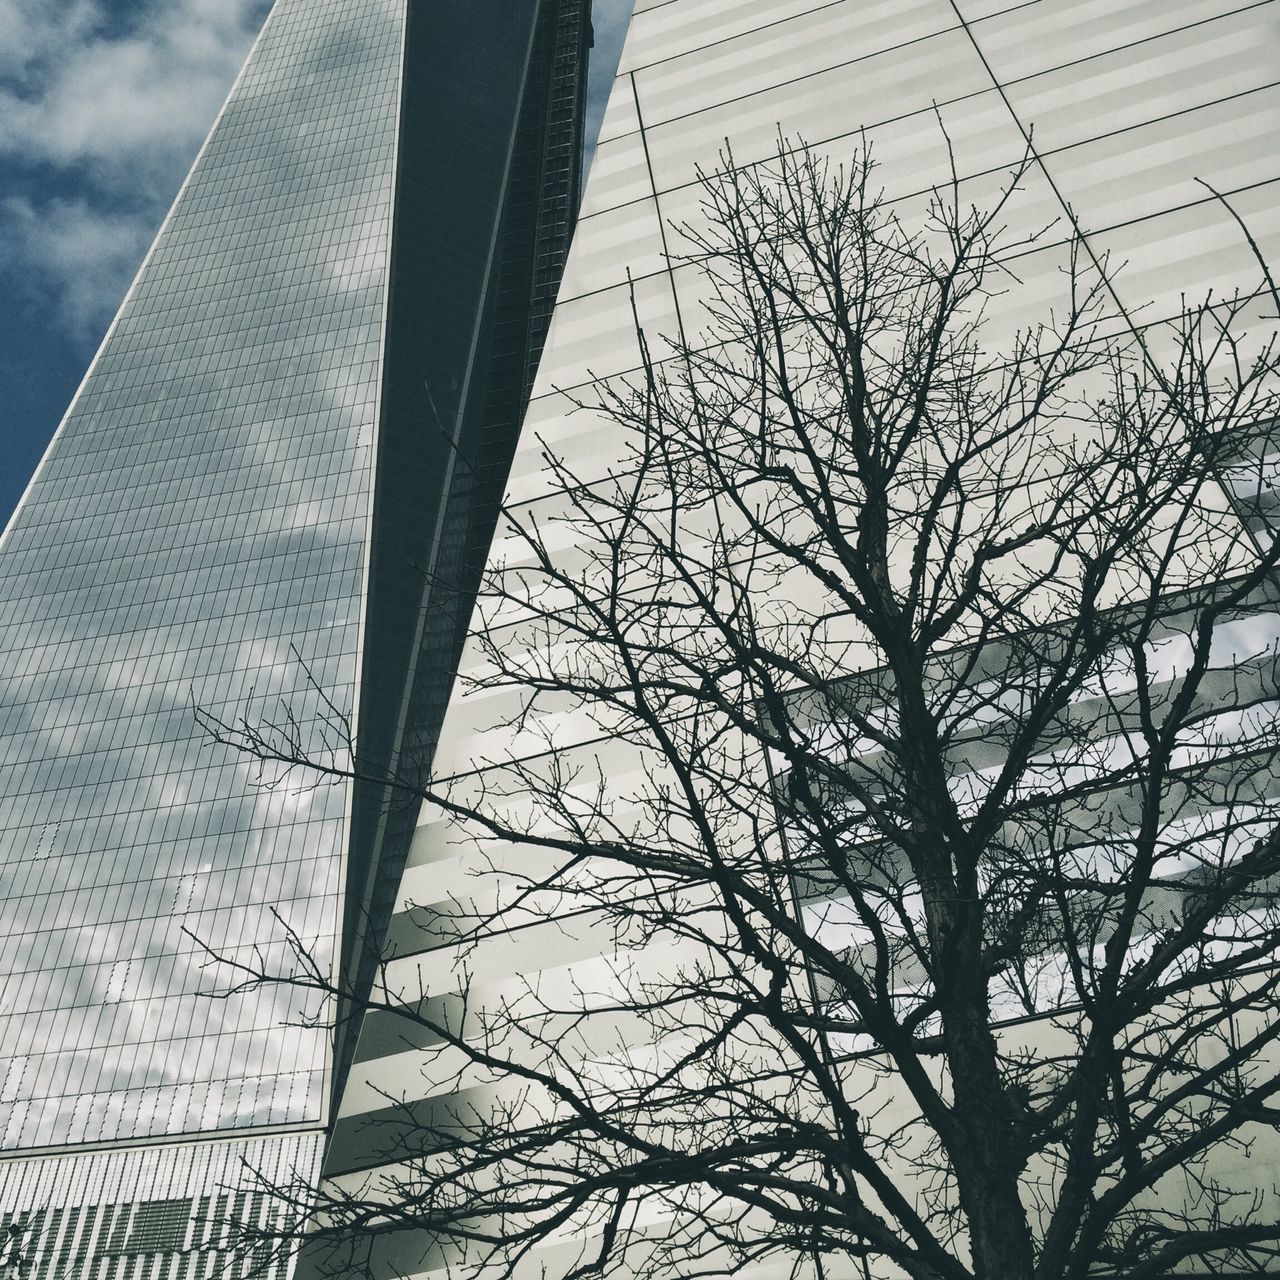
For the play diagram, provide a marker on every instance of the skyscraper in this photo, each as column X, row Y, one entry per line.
column 1127, row 104
column 271, row 490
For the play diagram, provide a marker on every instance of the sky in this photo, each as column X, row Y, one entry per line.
column 103, row 105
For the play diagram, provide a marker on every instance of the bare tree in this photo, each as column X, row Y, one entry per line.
column 895, row 719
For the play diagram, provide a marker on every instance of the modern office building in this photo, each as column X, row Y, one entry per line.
column 272, row 489
column 1124, row 105
column 237, row 511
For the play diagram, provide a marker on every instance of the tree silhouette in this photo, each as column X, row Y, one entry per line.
column 891, row 729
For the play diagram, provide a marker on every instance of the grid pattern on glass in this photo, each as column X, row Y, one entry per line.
column 196, row 534
column 78, row 1217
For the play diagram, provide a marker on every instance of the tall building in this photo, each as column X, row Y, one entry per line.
column 272, row 490
column 238, row 511
column 1123, row 106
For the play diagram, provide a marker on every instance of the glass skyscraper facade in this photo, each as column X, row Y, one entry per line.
column 268, row 460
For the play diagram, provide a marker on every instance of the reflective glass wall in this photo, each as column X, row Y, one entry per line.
column 194, row 539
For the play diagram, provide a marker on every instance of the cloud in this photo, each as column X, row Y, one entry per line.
column 127, row 106
column 82, row 81
column 84, row 255
column 31, row 32
column 610, row 19
column 102, row 107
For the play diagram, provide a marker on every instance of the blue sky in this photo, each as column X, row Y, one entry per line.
column 103, row 105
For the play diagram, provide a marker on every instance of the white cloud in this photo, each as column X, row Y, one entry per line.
column 32, row 31
column 99, row 119
column 80, row 256
column 73, row 92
